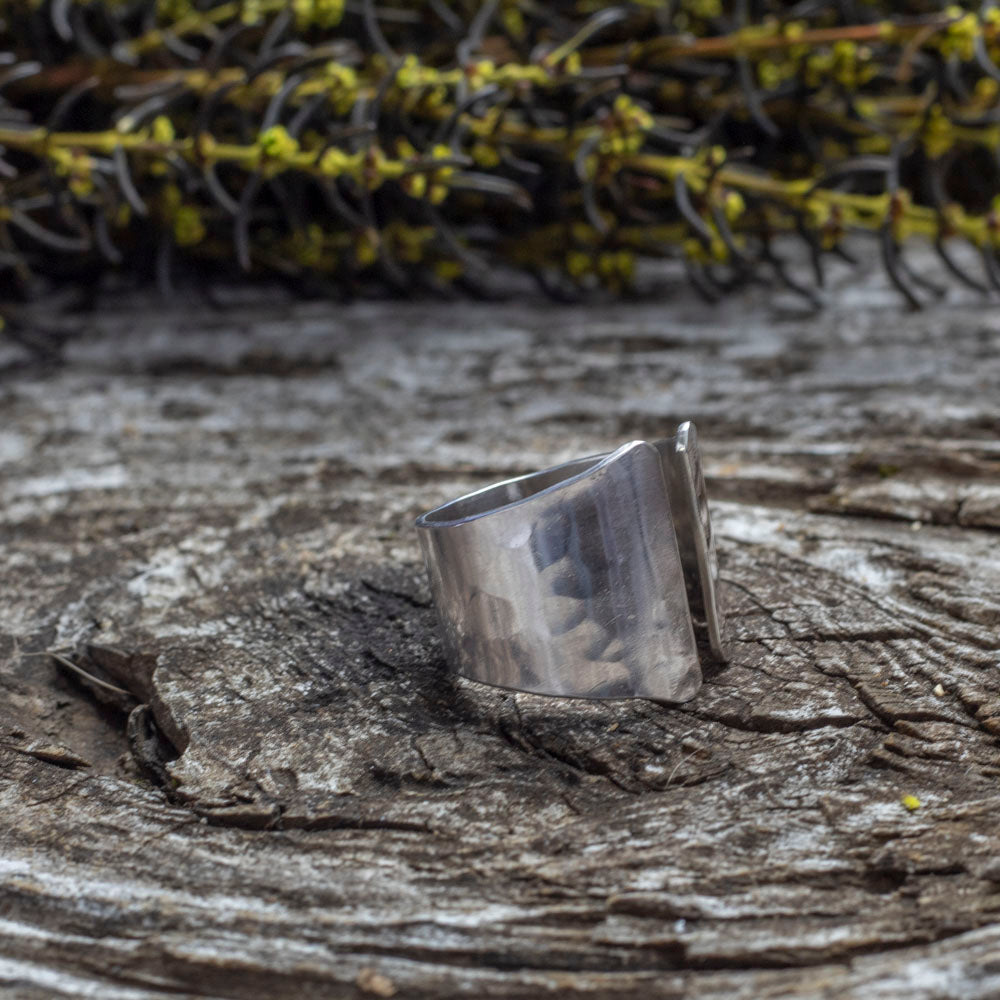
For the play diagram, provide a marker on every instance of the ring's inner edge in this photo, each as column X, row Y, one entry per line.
column 506, row 493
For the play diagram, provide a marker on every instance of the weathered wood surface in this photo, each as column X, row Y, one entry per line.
column 213, row 512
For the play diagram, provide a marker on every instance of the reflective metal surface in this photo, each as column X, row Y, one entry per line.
column 689, row 506
column 584, row 579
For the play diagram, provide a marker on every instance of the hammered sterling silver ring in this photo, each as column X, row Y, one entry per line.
column 592, row 579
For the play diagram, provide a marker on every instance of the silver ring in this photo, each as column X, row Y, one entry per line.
column 587, row 580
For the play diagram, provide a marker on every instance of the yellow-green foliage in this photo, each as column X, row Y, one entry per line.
column 425, row 144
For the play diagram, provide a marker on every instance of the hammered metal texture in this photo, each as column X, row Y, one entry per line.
column 567, row 582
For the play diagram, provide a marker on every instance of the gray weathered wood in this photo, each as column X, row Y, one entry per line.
column 212, row 511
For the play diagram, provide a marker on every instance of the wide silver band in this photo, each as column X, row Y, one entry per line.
column 588, row 579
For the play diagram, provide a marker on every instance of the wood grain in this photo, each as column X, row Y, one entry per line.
column 290, row 797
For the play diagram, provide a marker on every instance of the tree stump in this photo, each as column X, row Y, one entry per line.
column 274, row 788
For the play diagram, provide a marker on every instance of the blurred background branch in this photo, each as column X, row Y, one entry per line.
column 447, row 146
